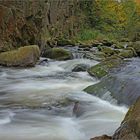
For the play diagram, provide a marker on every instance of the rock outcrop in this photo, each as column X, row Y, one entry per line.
column 122, row 83
column 30, row 22
column 102, row 69
column 130, row 127
column 26, row 56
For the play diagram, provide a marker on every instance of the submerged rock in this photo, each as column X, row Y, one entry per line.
column 130, row 127
column 26, row 56
column 80, row 67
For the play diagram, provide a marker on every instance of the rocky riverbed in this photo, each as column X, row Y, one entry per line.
column 87, row 89
column 37, row 104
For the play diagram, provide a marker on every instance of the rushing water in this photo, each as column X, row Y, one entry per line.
column 33, row 104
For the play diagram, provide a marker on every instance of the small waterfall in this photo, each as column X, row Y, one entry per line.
column 76, row 52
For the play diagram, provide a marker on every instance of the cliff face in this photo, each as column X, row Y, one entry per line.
column 35, row 21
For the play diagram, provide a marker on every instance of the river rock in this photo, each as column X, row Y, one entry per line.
column 136, row 46
column 104, row 137
column 102, row 69
column 121, row 84
column 130, row 127
column 42, row 61
column 80, row 67
column 26, row 56
column 106, row 50
column 60, row 54
column 127, row 53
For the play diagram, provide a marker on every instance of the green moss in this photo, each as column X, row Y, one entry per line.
column 102, row 69
column 60, row 54
column 93, row 89
column 97, row 71
column 108, row 51
column 126, row 54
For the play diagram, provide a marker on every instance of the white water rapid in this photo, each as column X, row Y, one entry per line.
column 37, row 104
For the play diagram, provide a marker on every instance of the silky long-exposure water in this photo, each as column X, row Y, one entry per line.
column 37, row 104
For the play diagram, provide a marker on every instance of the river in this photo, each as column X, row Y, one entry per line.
column 37, row 104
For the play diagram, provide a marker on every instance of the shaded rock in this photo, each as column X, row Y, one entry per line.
column 23, row 57
column 85, row 46
column 60, row 54
column 130, row 127
column 97, row 43
column 104, row 137
column 46, row 52
column 80, row 67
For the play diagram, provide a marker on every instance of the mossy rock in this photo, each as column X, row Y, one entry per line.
column 98, row 71
column 102, row 69
column 136, row 46
column 46, row 52
column 26, row 56
column 130, row 127
column 60, row 54
column 96, row 89
column 107, row 51
column 126, row 54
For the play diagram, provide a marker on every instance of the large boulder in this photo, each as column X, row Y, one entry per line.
column 130, row 127
column 121, row 84
column 26, row 56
